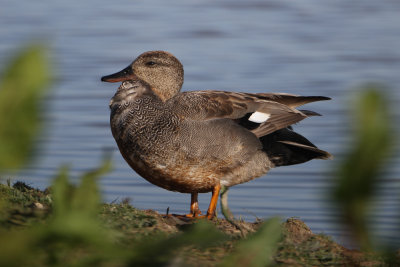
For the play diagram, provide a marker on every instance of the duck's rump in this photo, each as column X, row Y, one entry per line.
column 286, row 147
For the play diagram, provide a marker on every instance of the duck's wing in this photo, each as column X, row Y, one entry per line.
column 270, row 112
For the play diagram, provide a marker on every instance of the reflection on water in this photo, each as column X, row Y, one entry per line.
column 303, row 47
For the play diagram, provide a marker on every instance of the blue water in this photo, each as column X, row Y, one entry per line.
column 305, row 47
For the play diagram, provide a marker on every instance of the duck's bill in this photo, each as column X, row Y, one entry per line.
column 123, row 75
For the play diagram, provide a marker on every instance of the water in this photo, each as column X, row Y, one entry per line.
column 304, row 47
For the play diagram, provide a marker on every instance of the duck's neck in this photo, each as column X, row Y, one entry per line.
column 130, row 92
column 133, row 107
column 164, row 95
column 167, row 88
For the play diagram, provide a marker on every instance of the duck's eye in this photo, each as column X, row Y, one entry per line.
column 150, row 63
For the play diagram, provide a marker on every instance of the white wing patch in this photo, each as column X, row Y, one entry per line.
column 259, row 117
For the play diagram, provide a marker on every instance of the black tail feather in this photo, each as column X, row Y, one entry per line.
column 309, row 113
column 286, row 147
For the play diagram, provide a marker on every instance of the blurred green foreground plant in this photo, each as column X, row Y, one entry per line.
column 23, row 85
column 361, row 170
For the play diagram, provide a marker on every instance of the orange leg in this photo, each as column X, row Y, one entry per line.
column 213, row 202
column 194, row 206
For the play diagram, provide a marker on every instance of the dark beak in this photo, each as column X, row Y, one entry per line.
column 123, row 75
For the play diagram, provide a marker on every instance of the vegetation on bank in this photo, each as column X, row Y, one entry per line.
column 66, row 225
column 62, row 227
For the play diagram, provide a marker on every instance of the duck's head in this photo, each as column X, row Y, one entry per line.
column 161, row 70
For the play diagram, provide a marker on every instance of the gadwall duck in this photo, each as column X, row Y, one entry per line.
column 194, row 142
